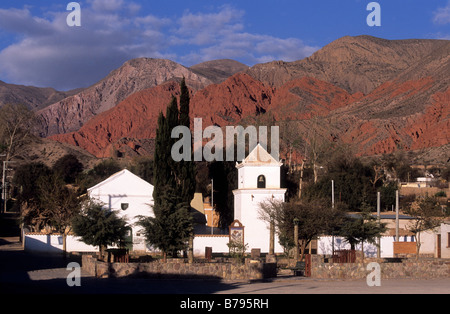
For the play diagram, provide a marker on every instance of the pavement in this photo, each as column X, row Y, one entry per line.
column 24, row 272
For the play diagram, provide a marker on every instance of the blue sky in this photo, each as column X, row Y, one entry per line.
column 38, row 48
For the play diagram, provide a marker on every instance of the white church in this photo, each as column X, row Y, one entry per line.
column 258, row 181
column 131, row 197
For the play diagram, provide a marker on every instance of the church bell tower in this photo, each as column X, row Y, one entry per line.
column 259, row 180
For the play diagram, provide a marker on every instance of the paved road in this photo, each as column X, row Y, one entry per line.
column 24, row 272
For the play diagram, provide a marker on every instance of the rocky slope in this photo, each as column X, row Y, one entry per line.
column 34, row 98
column 47, row 151
column 73, row 112
column 219, row 70
column 375, row 94
column 356, row 64
column 135, row 118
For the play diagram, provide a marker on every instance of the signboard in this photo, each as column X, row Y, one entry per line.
column 237, row 232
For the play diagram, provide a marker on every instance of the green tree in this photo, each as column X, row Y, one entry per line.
column 171, row 227
column 162, row 173
column 68, row 167
column 387, row 194
column 184, row 104
column 186, row 169
column 164, row 165
column 98, row 173
column 174, row 187
column 25, row 180
column 60, row 204
column 27, row 194
column 143, row 167
column 313, row 219
column 352, row 182
column 361, row 228
column 99, row 227
column 104, row 169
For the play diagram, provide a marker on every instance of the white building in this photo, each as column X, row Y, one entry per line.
column 443, row 240
column 258, row 181
column 131, row 196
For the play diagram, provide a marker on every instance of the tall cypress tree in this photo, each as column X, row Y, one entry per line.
column 186, row 169
column 184, row 104
column 171, row 227
column 172, row 118
column 162, row 173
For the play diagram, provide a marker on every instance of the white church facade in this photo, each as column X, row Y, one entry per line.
column 258, row 181
column 131, row 197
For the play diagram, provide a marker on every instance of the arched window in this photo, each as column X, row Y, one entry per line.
column 261, row 182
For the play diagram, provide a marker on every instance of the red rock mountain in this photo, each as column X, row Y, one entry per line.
column 375, row 94
column 70, row 113
column 136, row 117
column 356, row 64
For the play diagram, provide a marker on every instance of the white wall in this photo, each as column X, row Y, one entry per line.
column 137, row 205
column 54, row 243
column 217, row 242
column 445, row 246
column 428, row 243
column 324, row 246
column 125, row 187
column 248, row 176
column 256, row 230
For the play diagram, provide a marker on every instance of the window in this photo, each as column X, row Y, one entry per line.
column 261, row 182
column 448, row 239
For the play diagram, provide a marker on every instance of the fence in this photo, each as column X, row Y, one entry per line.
column 344, row 256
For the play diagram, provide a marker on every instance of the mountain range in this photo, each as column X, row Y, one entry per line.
column 377, row 95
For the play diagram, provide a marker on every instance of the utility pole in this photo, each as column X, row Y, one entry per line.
column 3, row 209
column 5, row 184
column 332, row 206
column 212, row 206
column 378, row 217
column 296, row 222
column 396, row 217
column 332, row 194
column 3, row 187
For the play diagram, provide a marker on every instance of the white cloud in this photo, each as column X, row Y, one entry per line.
column 49, row 53
column 442, row 15
column 221, row 35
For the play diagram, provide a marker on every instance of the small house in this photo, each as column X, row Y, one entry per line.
column 131, row 197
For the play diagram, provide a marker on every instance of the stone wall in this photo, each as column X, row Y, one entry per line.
column 406, row 269
column 177, row 268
